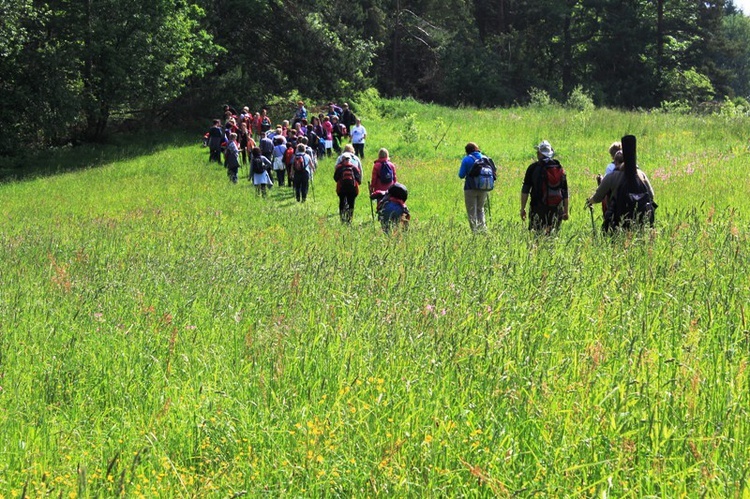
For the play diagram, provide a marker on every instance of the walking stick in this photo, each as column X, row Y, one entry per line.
column 593, row 225
column 372, row 212
column 489, row 206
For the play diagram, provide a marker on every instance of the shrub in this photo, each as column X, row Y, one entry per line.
column 540, row 98
column 580, row 100
column 689, row 86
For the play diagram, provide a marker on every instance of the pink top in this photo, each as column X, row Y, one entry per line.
column 328, row 128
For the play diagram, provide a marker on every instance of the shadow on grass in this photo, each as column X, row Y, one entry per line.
column 49, row 162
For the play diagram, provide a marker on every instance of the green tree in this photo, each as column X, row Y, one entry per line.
column 71, row 64
column 736, row 60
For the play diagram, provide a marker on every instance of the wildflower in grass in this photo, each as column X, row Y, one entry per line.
column 427, row 440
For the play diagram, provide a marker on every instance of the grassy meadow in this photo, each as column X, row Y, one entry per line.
column 164, row 333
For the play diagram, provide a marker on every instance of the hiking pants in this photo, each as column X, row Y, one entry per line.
column 359, row 150
column 280, row 177
column 475, row 200
column 289, row 175
column 543, row 219
column 337, row 144
column 232, row 173
column 301, row 185
column 214, row 154
column 346, row 206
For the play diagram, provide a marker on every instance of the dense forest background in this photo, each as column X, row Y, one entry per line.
column 72, row 69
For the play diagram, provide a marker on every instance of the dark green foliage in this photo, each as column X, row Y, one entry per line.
column 69, row 68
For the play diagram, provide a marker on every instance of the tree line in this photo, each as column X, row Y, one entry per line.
column 70, row 68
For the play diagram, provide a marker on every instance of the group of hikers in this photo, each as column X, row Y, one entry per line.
column 291, row 150
column 624, row 190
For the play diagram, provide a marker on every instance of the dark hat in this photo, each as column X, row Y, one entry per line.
column 398, row 191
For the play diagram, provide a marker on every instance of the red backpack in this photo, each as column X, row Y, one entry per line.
column 299, row 162
column 346, row 176
column 553, row 176
column 288, row 155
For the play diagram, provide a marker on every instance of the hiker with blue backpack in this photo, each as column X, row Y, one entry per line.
column 547, row 186
column 480, row 173
column 630, row 194
column 392, row 210
column 383, row 173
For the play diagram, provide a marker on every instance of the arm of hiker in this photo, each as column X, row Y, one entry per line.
column 604, row 188
column 648, row 184
column 524, row 199
column 565, row 209
column 466, row 165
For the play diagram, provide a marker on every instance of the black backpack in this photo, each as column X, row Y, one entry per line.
column 257, row 165
column 633, row 205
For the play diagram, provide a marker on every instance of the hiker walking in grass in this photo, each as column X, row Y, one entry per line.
column 215, row 138
column 392, row 209
column 631, row 196
column 328, row 135
column 358, row 134
column 348, row 119
column 383, row 173
column 260, row 166
column 266, row 147
column 615, row 150
column 232, row 157
column 338, row 132
column 302, row 167
column 300, row 114
column 279, row 149
column 545, row 183
column 348, row 176
column 310, row 152
column 480, row 174
column 246, row 142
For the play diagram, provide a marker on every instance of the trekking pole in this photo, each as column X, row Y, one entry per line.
column 372, row 212
column 593, row 225
column 489, row 206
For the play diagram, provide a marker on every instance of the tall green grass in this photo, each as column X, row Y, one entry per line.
column 166, row 333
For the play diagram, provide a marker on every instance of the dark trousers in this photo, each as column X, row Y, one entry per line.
column 280, row 177
column 337, row 144
column 215, row 154
column 232, row 173
column 301, row 185
column 359, row 150
column 346, row 206
column 544, row 219
column 289, row 175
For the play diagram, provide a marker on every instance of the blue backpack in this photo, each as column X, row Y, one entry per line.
column 386, row 172
column 483, row 174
